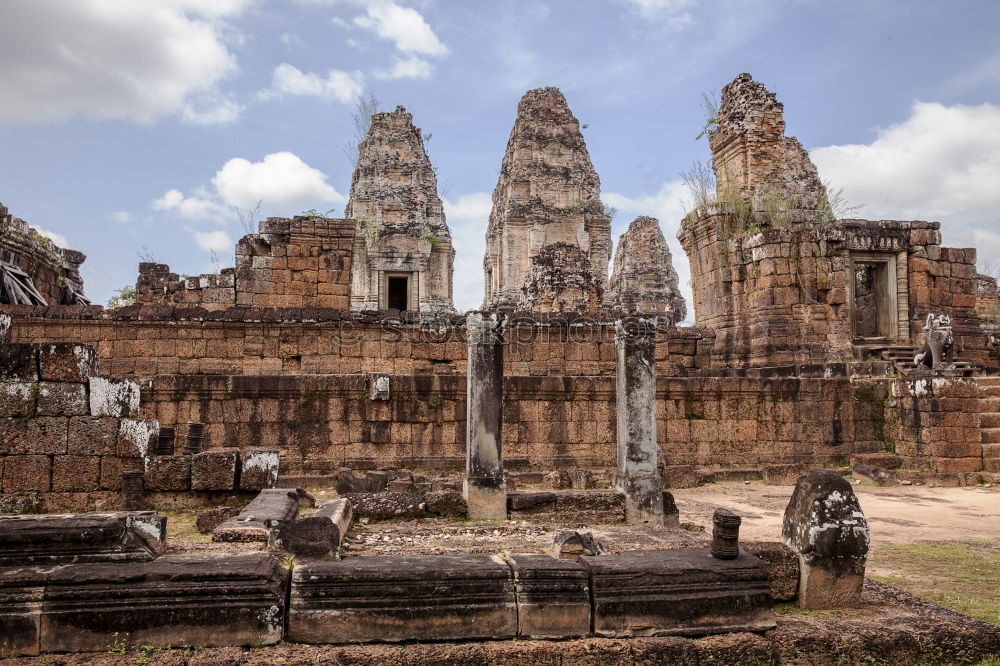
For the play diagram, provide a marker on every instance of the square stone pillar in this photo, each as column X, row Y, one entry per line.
column 635, row 394
column 485, row 488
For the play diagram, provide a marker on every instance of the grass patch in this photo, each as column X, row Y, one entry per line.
column 181, row 526
column 961, row 575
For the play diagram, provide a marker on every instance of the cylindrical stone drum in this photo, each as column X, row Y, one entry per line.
column 165, row 442
column 195, row 434
column 725, row 535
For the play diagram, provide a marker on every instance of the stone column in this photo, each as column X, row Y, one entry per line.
column 485, row 487
column 638, row 477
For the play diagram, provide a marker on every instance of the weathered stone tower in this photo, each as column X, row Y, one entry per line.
column 549, row 239
column 643, row 278
column 403, row 257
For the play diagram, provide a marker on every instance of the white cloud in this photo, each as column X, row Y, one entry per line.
column 941, row 163
column 668, row 205
column 340, row 23
column 403, row 26
column 291, row 40
column 412, row 67
column 218, row 241
column 468, row 216
column 290, row 80
column 121, row 216
column 280, row 180
column 217, row 112
column 201, row 205
column 111, row 59
column 53, row 236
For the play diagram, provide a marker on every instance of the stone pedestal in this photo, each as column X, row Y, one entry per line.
column 637, row 478
column 485, row 488
column 825, row 526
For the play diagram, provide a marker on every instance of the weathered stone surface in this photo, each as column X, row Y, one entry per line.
column 824, row 524
column 878, row 475
column 643, row 278
column 402, row 486
column 77, row 538
column 259, row 467
column 176, row 599
column 485, row 487
column 678, row 592
column 781, row 564
column 27, row 473
column 67, row 362
column 18, row 362
column 430, row 597
column 549, row 239
column 60, row 399
column 572, row 545
column 449, row 503
column 401, row 228
column 553, row 597
column 114, row 397
column 671, row 514
column 319, row 535
column 76, row 473
column 168, row 473
column 137, row 438
column 783, row 475
column 271, row 504
column 382, row 506
column 525, row 501
column 207, row 521
column 570, row 506
column 93, row 435
column 214, row 469
column 18, row 399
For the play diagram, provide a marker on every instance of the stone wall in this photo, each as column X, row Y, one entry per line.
column 300, row 262
column 988, row 299
column 53, row 272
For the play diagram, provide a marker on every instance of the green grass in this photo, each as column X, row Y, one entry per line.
column 963, row 575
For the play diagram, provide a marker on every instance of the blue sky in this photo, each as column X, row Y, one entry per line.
column 132, row 124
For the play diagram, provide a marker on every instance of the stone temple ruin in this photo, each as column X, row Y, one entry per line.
column 323, row 393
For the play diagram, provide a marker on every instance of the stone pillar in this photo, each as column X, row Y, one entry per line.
column 485, row 488
column 824, row 524
column 638, row 477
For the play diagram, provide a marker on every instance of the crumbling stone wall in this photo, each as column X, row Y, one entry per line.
column 988, row 299
column 400, row 219
column 549, row 239
column 643, row 278
column 300, row 262
column 54, row 272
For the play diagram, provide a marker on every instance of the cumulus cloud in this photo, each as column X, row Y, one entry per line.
column 121, row 216
column 403, row 26
column 213, row 241
column 290, row 80
column 668, row 204
column 468, row 216
column 215, row 112
column 281, row 180
column 108, row 59
column 406, row 68
column 198, row 206
column 53, row 236
column 669, row 11
column 941, row 163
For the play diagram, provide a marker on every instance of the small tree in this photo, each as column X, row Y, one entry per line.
column 361, row 118
column 122, row 297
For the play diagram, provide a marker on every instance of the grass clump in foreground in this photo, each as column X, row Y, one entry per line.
column 961, row 575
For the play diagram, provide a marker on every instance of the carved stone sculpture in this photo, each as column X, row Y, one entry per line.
column 939, row 342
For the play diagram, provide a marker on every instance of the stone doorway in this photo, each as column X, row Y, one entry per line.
column 874, row 303
column 397, row 292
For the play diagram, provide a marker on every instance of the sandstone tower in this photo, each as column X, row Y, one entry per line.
column 549, row 239
column 752, row 155
column 643, row 278
column 403, row 257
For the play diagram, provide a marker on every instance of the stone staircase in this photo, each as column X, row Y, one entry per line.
column 901, row 358
column 989, row 422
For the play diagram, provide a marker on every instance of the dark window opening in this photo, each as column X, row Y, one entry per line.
column 398, row 296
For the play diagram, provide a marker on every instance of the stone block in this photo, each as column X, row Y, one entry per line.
column 781, row 564
column 680, row 476
column 62, row 399
column 177, row 599
column 319, row 535
column 678, row 593
column 66, row 362
column 93, row 436
column 25, row 473
column 214, row 469
column 18, row 362
column 553, row 597
column 18, row 398
column 45, row 434
column 259, row 467
column 118, row 536
column 783, row 475
column 410, row 597
column 207, row 521
column 448, row 503
column 957, row 465
column 825, row 526
column 168, row 473
column 270, row 505
column 384, row 506
column 137, row 437
column 114, row 397
column 76, row 473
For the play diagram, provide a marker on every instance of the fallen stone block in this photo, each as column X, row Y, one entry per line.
column 259, row 467
column 825, row 526
column 382, row 506
column 402, row 486
column 782, row 475
column 207, row 521
column 448, row 503
column 877, row 475
column 553, row 598
column 781, row 564
column 415, row 597
column 678, row 593
column 214, row 469
column 319, row 535
column 176, row 599
column 572, row 545
column 271, row 504
column 119, row 536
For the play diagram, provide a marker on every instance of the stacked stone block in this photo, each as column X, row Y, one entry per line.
column 643, row 279
column 939, row 426
column 54, row 271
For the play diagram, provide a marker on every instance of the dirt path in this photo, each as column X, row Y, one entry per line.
column 897, row 515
